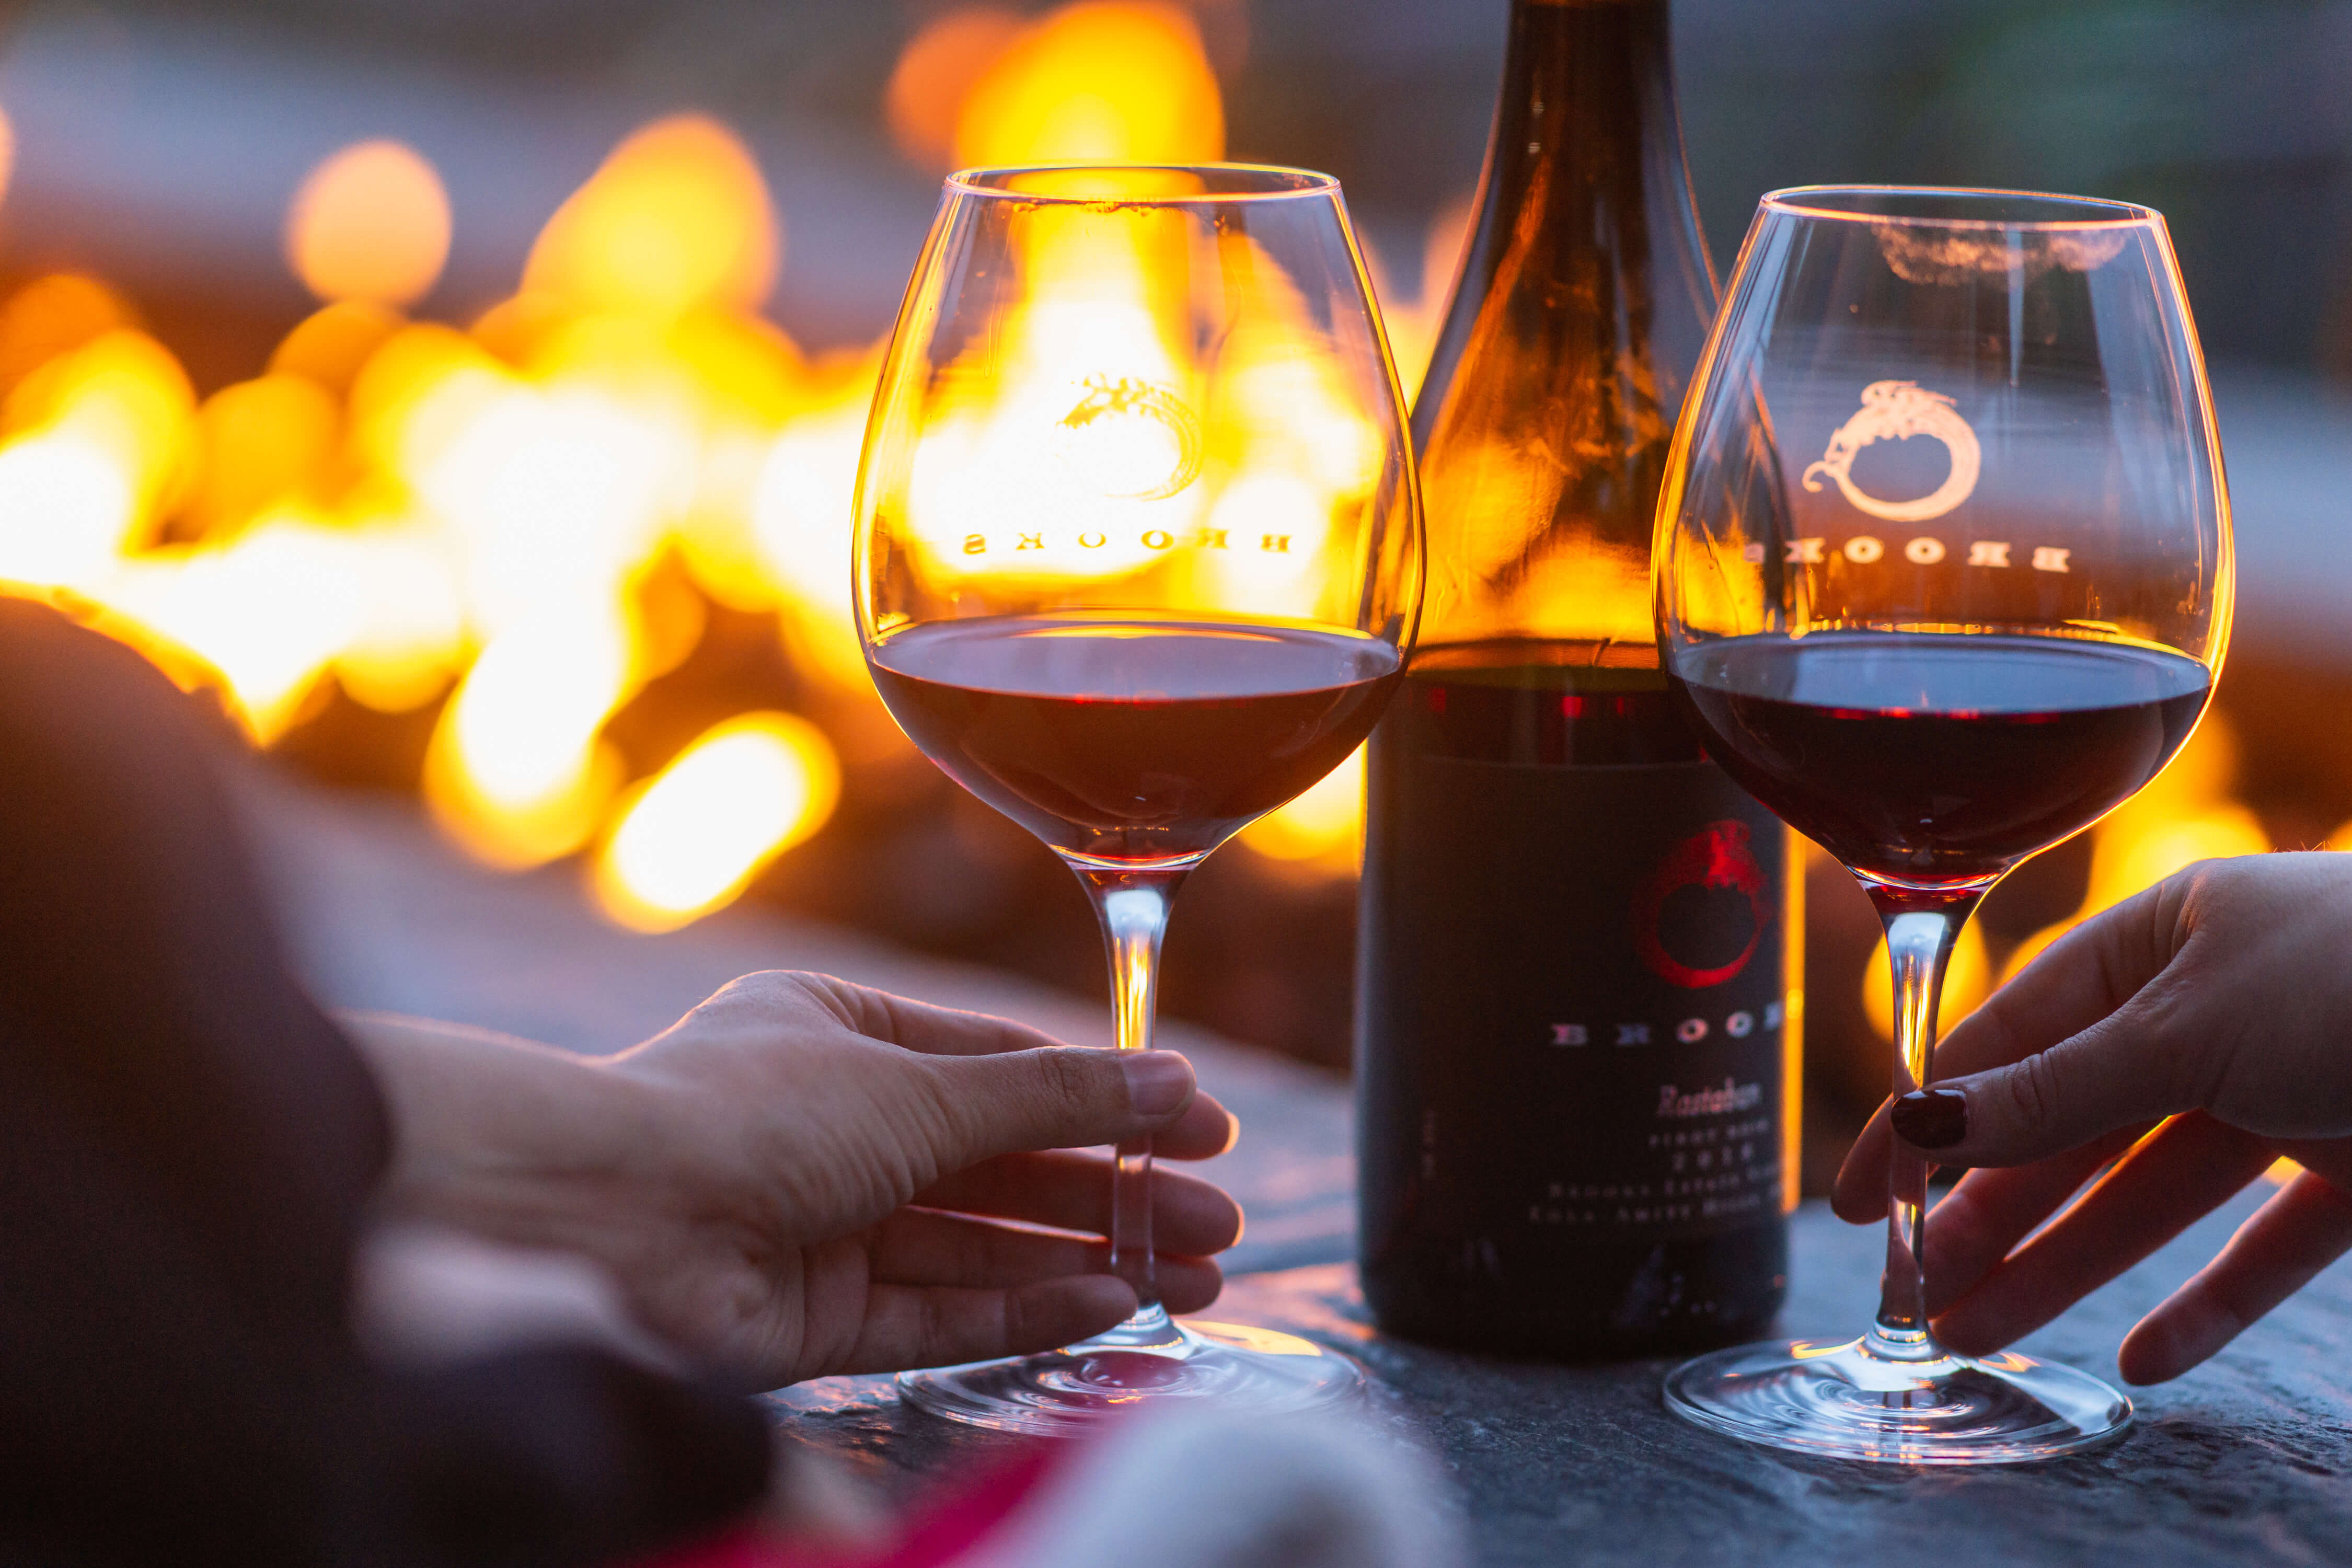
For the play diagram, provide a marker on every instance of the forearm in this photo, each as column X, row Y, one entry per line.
column 504, row 1136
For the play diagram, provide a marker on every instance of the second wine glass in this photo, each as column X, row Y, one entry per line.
column 1138, row 560
column 1942, row 574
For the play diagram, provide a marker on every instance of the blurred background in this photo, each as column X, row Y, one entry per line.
column 470, row 392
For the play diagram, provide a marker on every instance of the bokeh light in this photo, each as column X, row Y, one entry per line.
column 1101, row 80
column 529, row 519
column 936, row 73
column 369, row 222
column 691, row 837
column 677, row 217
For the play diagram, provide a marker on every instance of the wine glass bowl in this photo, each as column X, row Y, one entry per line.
column 1154, row 389
column 1933, row 762
column 1138, row 560
column 1943, row 574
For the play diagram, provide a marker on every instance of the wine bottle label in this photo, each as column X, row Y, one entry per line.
column 1584, row 967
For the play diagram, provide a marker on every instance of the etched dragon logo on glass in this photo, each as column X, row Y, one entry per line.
column 1898, row 410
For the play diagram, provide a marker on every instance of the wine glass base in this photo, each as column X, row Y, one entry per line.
column 1070, row 1392
column 1846, row 1402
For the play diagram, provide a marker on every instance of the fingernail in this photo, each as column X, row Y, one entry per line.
column 1931, row 1118
column 1157, row 1081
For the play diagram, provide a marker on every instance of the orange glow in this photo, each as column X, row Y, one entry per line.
column 67, row 510
column 1092, row 406
column 127, row 394
column 416, row 394
column 1100, row 81
column 98, row 439
column 369, row 222
column 800, row 502
column 677, row 217
column 267, row 611
column 1322, row 829
column 385, row 501
column 334, row 341
column 2184, row 816
column 515, row 771
column 689, row 839
column 262, row 441
column 1414, row 321
column 54, row 315
column 936, row 73
column 408, row 638
column 7, row 153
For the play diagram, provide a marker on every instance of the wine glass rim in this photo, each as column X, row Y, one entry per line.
column 1222, row 183
column 1854, row 203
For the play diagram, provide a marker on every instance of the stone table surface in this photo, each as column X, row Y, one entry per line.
column 2246, row 1460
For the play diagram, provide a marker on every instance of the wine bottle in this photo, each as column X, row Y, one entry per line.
column 1578, row 1040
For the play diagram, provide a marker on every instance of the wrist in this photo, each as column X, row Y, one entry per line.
column 509, row 1138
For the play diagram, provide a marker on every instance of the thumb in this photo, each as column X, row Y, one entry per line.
column 1058, row 1098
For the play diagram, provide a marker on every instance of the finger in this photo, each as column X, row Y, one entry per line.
column 919, row 1025
column 2136, row 1066
column 1063, row 1098
column 1859, row 1195
column 1989, row 1212
column 2329, row 1157
column 2078, row 982
column 2175, row 1176
column 1004, row 1086
column 1205, row 1131
column 1071, row 1190
column 915, row 1247
column 2301, row 1230
column 919, row 1325
column 2075, row 982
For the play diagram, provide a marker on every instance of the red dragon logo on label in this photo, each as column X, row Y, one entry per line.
column 1716, row 859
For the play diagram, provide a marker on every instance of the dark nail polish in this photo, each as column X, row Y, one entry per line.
column 1931, row 1118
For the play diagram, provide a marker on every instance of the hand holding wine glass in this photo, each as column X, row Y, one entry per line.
column 1138, row 560
column 1942, row 575
column 2215, row 999
column 804, row 1177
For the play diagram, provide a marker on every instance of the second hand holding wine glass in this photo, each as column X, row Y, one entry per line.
column 1138, row 560
column 1942, row 575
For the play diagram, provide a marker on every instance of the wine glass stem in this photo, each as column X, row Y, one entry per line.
column 1133, row 909
column 1919, row 944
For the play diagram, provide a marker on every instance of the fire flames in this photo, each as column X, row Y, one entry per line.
column 370, row 223
column 495, row 519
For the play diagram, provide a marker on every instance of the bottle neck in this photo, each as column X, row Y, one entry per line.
column 1585, row 129
column 1582, row 303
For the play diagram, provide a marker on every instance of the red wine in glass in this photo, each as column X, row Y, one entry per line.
column 1132, row 740
column 1934, row 760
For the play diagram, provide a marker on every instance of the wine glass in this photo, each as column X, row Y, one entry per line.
column 1942, row 574
column 1139, row 559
